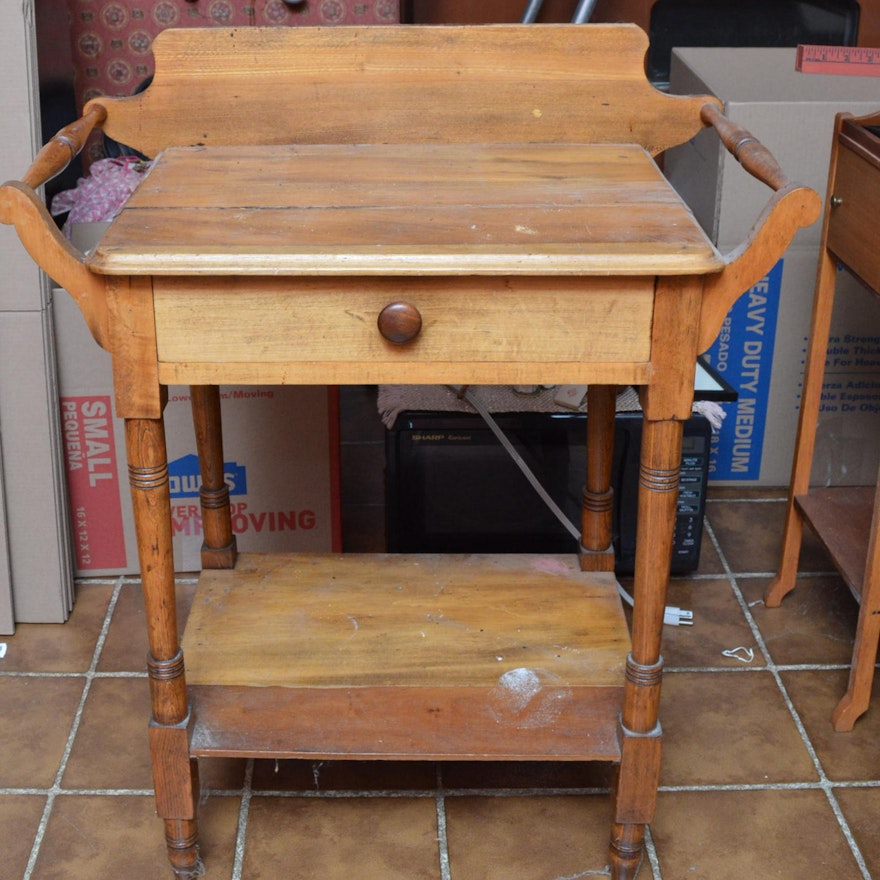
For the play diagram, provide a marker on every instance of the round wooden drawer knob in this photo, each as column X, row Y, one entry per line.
column 399, row 322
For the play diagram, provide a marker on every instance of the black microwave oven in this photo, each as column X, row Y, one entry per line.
column 451, row 487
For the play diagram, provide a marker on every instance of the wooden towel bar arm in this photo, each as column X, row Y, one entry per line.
column 21, row 207
column 64, row 147
column 790, row 207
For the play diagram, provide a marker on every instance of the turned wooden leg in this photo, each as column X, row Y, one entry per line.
column 218, row 548
column 861, row 675
column 181, row 838
column 638, row 776
column 175, row 776
column 814, row 376
column 627, row 848
column 596, row 552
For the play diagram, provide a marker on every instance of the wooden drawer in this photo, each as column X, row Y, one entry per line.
column 327, row 331
column 853, row 231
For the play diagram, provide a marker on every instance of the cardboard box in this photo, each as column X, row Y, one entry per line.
column 280, row 450
column 761, row 348
column 32, row 479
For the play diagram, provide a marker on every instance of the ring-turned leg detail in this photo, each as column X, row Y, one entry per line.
column 627, row 849
column 175, row 775
column 638, row 774
column 597, row 503
column 181, row 839
column 219, row 545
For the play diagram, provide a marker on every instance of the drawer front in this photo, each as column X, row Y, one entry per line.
column 852, row 227
column 305, row 329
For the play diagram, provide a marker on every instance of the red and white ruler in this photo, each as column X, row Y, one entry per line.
column 840, row 60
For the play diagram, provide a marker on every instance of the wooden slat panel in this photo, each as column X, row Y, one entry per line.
column 467, row 723
column 381, row 241
column 389, row 175
column 518, row 623
column 380, row 209
column 376, row 372
column 411, row 84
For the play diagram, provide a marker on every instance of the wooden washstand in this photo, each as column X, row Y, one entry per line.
column 405, row 204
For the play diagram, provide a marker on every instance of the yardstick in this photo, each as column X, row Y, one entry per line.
column 840, row 60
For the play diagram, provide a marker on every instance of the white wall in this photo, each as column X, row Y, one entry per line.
column 35, row 568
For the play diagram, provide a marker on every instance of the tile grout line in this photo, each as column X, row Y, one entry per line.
column 340, row 794
column 55, row 790
column 748, row 668
column 720, row 575
column 824, row 783
column 423, row 794
column 243, row 816
column 397, row 794
column 651, row 852
column 442, row 839
column 745, row 499
column 118, row 674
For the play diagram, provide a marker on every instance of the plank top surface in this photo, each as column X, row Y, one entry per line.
column 406, row 621
column 405, row 209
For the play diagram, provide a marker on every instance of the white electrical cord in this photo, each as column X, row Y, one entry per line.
column 672, row 616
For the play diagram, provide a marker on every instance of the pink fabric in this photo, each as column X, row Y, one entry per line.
column 101, row 195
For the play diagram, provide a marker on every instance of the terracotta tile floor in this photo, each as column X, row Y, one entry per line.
column 755, row 782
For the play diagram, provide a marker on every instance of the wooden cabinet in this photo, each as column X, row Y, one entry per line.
column 846, row 519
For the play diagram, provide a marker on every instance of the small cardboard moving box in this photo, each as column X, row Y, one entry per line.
column 761, row 347
column 280, row 449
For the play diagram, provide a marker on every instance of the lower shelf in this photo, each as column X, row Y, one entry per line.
column 841, row 518
column 398, row 656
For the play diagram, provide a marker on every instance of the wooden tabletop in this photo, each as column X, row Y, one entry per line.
column 450, row 209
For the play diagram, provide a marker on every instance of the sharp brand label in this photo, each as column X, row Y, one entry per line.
column 185, row 477
column 93, row 482
column 445, row 437
column 743, row 355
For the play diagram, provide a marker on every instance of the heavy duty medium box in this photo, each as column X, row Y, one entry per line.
column 280, row 453
column 761, row 347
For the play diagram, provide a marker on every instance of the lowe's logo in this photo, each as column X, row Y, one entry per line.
column 185, row 477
